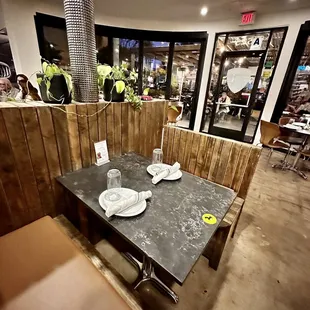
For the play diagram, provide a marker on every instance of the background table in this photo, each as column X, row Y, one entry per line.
column 171, row 232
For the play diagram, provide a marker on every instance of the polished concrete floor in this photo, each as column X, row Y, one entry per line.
column 266, row 266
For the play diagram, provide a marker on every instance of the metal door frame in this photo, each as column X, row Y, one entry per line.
column 230, row 133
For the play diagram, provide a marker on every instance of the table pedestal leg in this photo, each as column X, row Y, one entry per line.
column 147, row 273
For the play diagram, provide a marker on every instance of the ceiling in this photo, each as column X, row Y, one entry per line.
column 189, row 10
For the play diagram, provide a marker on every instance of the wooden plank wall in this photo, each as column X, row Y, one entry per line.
column 39, row 143
column 226, row 162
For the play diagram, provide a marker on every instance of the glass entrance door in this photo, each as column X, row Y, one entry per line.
column 238, row 81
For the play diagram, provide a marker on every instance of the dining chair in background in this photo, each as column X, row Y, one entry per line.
column 274, row 138
column 270, row 132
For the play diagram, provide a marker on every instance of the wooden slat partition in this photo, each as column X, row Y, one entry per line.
column 226, row 162
column 39, row 143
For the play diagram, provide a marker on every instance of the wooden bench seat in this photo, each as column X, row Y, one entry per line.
column 41, row 268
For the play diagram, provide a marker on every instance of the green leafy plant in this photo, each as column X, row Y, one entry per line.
column 49, row 70
column 122, row 80
column 134, row 99
column 146, row 91
column 173, row 107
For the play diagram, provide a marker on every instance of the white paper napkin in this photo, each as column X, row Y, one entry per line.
column 127, row 203
column 163, row 174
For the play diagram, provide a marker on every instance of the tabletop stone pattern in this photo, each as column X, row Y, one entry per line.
column 171, row 230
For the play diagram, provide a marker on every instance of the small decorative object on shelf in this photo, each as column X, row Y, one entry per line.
column 55, row 84
column 116, row 83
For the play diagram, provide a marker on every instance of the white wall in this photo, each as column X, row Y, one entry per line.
column 19, row 20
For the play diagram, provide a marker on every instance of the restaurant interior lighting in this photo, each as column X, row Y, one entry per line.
column 226, row 63
column 204, row 11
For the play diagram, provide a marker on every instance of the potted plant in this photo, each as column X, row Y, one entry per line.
column 173, row 112
column 116, row 83
column 55, row 84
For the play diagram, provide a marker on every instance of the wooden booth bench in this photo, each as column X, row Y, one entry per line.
column 41, row 268
column 226, row 162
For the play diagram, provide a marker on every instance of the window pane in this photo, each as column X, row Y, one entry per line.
column 104, row 50
column 155, row 59
column 126, row 54
column 300, row 90
column 247, row 42
column 183, row 78
column 268, row 71
column 219, row 49
column 56, row 46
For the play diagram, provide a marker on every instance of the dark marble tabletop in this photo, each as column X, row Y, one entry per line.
column 171, row 230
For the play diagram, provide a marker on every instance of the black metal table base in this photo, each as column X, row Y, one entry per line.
column 287, row 166
column 146, row 273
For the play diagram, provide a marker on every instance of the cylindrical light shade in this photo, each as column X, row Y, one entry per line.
column 80, row 22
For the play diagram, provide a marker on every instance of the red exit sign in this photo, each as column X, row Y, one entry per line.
column 248, row 18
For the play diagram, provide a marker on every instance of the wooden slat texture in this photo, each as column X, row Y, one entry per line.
column 74, row 138
column 12, row 197
column 137, row 137
column 150, row 128
column 165, row 145
column 143, row 125
column 124, row 127
column 102, row 121
column 18, row 141
column 183, row 135
column 232, row 164
column 215, row 161
column 38, row 158
column 61, row 131
column 93, row 129
column 244, row 157
column 188, row 150
column 201, row 155
column 175, row 148
column 208, row 156
column 84, row 135
column 110, row 129
column 171, row 132
column 159, row 119
column 249, row 172
column 117, row 128
column 131, row 129
column 39, row 143
column 6, row 224
column 194, row 153
column 222, row 161
column 50, row 144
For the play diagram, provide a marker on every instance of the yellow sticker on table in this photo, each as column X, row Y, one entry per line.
column 209, row 219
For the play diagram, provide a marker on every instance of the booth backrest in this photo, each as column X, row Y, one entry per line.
column 226, row 162
column 39, row 143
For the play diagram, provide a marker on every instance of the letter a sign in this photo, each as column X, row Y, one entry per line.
column 256, row 43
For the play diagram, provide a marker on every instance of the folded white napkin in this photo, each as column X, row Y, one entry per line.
column 166, row 172
column 127, row 203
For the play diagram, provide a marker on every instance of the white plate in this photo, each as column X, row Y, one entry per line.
column 299, row 124
column 155, row 168
column 290, row 126
column 111, row 196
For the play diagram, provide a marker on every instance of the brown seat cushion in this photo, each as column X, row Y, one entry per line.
column 40, row 268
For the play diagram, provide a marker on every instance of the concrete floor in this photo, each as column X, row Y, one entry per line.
column 266, row 266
